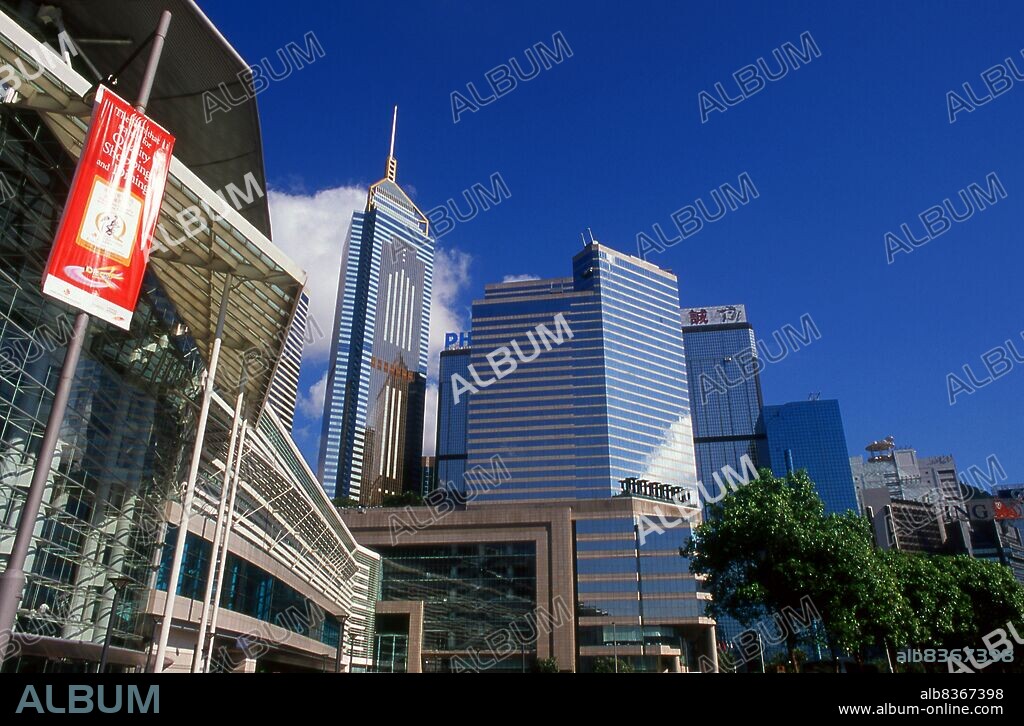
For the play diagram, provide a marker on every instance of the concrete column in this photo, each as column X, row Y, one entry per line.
column 710, row 643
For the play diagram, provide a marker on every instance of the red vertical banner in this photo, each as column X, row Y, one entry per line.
column 102, row 248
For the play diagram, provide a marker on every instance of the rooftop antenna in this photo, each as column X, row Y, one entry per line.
column 392, row 167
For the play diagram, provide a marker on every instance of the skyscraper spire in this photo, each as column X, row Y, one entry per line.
column 392, row 168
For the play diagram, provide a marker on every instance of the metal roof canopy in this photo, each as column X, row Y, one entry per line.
column 193, row 269
column 196, row 59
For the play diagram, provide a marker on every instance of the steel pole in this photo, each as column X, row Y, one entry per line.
column 197, row 654
column 226, row 543
column 615, row 647
column 190, row 484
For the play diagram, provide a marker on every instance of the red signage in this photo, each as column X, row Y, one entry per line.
column 99, row 257
column 1007, row 509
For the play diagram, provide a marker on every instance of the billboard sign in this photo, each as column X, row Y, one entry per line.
column 720, row 315
column 102, row 247
column 461, row 339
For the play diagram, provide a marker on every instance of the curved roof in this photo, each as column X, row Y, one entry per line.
column 196, row 60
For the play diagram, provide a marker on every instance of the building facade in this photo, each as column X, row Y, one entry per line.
column 452, row 418
column 723, row 369
column 493, row 588
column 114, row 492
column 371, row 442
column 598, row 389
column 284, row 388
column 941, row 483
column 809, row 435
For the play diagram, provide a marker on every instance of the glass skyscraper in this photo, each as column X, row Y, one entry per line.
column 722, row 367
column 809, row 435
column 371, row 442
column 606, row 403
column 450, row 454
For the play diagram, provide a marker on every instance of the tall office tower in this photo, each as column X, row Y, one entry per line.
column 284, row 387
column 580, row 382
column 450, row 451
column 371, row 441
column 809, row 435
column 722, row 367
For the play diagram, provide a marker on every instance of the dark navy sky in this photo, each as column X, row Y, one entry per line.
column 841, row 150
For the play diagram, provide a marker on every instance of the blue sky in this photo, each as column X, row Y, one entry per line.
column 841, row 150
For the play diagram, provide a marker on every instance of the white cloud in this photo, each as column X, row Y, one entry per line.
column 519, row 278
column 451, row 278
column 312, row 230
column 311, row 403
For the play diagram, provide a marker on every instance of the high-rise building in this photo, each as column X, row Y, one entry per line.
column 371, row 441
column 452, row 417
column 568, row 421
column 723, row 370
column 906, row 476
column 887, row 467
column 809, row 435
column 284, row 388
column 579, row 383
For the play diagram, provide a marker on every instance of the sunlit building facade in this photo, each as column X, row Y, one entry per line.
column 809, row 435
column 501, row 587
column 371, row 441
column 599, row 392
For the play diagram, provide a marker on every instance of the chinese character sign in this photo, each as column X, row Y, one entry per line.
column 722, row 315
column 102, row 248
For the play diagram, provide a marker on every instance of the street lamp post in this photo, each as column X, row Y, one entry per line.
column 615, row 646
column 120, row 584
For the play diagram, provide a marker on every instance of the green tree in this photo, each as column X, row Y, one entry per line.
column 769, row 545
column 547, row 665
column 930, row 585
column 957, row 601
column 607, row 665
column 995, row 597
column 405, row 499
column 345, row 502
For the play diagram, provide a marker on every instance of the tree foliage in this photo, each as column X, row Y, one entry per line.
column 547, row 665
column 405, row 499
column 769, row 544
column 607, row 665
